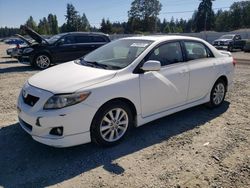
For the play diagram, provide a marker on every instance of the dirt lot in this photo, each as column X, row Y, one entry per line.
column 198, row 147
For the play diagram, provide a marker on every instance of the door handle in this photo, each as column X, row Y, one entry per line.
column 73, row 46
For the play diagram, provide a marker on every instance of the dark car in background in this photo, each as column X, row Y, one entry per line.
column 59, row 48
column 229, row 42
column 14, row 50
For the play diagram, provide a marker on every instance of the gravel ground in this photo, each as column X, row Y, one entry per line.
column 198, row 147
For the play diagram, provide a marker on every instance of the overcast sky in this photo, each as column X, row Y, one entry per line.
column 13, row 13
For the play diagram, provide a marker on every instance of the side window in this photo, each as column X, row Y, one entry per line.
column 167, row 54
column 196, row 50
column 82, row 39
column 98, row 39
column 67, row 40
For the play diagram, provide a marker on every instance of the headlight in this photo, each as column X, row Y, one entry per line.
column 27, row 50
column 61, row 101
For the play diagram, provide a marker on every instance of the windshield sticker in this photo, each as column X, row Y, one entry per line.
column 139, row 45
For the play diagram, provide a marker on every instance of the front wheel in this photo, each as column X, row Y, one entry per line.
column 230, row 48
column 111, row 123
column 218, row 94
column 42, row 61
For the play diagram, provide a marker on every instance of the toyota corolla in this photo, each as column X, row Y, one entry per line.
column 126, row 83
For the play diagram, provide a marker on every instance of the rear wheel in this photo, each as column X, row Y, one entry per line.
column 42, row 61
column 111, row 123
column 218, row 94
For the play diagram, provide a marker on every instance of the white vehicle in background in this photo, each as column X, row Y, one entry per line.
column 126, row 83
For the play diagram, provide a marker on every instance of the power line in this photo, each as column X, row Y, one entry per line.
column 186, row 11
column 174, row 12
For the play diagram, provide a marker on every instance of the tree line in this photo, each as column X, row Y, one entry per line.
column 143, row 17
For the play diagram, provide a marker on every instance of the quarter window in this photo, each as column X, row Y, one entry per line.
column 167, row 54
column 196, row 50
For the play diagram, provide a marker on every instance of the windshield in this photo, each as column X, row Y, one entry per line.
column 227, row 37
column 117, row 54
column 54, row 38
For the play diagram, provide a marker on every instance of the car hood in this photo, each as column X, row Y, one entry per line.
column 69, row 77
column 34, row 35
column 24, row 39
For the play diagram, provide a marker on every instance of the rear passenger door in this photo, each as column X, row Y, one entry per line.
column 83, row 45
column 99, row 40
column 202, row 69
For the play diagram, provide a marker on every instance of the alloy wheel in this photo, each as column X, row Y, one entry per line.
column 42, row 61
column 219, row 93
column 114, row 125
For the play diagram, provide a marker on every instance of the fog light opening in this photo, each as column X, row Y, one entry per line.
column 57, row 131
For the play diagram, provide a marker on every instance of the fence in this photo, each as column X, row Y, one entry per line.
column 208, row 36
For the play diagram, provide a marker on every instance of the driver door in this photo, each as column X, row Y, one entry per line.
column 65, row 49
column 167, row 88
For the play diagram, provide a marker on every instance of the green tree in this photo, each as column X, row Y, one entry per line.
column 31, row 23
column 43, row 27
column 85, row 26
column 240, row 14
column 72, row 18
column 106, row 26
column 204, row 19
column 222, row 21
column 53, row 24
column 143, row 15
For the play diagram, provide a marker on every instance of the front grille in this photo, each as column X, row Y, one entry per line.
column 30, row 100
column 219, row 43
column 26, row 125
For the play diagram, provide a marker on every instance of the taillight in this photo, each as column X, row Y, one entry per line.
column 234, row 62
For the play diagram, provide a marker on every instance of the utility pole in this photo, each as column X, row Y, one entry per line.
column 205, row 26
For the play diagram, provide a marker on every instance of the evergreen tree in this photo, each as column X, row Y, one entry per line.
column 143, row 15
column 106, row 26
column 31, row 23
column 72, row 18
column 85, row 23
column 204, row 19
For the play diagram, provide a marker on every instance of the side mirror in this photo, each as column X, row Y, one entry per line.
column 59, row 43
column 151, row 65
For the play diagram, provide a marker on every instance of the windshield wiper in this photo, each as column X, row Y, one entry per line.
column 92, row 64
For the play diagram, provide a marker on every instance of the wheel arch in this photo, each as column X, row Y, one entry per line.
column 45, row 52
column 124, row 100
column 224, row 79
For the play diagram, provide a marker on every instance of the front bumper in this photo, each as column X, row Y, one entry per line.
column 221, row 47
column 75, row 120
column 23, row 59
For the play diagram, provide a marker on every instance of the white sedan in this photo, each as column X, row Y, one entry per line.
column 126, row 83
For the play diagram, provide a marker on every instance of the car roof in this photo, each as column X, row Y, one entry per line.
column 86, row 33
column 159, row 38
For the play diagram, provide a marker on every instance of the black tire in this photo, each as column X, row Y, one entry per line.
column 39, row 65
column 212, row 103
column 98, row 121
column 230, row 48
